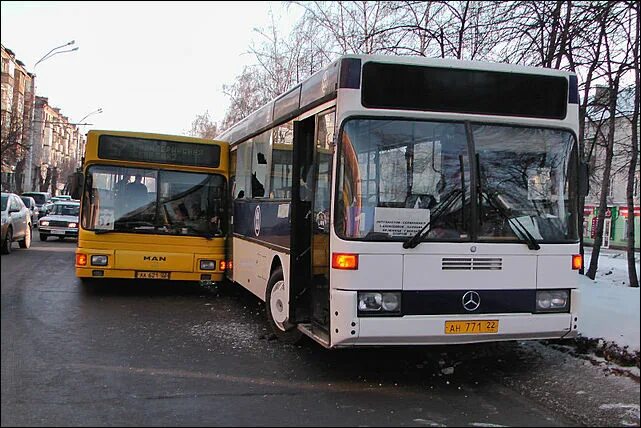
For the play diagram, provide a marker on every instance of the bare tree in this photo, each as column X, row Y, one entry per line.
column 203, row 127
column 634, row 153
column 14, row 147
column 617, row 63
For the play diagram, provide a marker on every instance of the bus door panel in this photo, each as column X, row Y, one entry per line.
column 322, row 173
column 301, row 221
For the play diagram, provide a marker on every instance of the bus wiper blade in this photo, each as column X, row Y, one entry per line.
column 202, row 234
column 103, row 231
column 527, row 238
column 439, row 210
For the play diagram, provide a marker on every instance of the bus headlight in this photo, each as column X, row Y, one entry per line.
column 552, row 300
column 379, row 303
column 100, row 260
column 207, row 265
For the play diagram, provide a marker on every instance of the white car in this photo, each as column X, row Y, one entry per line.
column 61, row 221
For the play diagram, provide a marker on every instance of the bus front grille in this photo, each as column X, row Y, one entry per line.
column 471, row 263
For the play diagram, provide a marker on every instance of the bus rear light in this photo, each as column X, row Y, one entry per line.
column 577, row 262
column 81, row 260
column 345, row 261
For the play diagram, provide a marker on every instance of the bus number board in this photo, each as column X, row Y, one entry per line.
column 158, row 151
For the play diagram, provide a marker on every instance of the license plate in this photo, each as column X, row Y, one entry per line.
column 471, row 327
column 58, row 232
column 152, row 275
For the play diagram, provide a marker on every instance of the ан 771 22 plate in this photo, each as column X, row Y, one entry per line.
column 471, row 327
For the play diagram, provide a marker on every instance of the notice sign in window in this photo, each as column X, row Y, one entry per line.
column 400, row 221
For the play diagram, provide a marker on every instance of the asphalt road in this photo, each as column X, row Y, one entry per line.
column 148, row 353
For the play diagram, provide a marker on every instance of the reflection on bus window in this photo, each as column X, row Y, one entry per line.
column 152, row 201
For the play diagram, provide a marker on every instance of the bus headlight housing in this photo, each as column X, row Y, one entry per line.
column 207, row 265
column 552, row 300
column 379, row 303
column 99, row 260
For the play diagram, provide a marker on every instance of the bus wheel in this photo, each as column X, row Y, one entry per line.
column 276, row 308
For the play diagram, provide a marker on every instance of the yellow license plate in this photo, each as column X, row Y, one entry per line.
column 152, row 275
column 471, row 327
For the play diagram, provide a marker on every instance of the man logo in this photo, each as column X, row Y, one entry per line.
column 154, row 258
column 257, row 220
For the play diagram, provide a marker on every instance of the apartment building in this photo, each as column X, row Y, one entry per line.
column 18, row 96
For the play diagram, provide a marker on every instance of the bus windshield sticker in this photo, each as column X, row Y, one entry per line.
column 540, row 186
column 105, row 220
column 400, row 221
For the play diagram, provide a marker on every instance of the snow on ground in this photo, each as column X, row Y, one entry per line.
column 609, row 308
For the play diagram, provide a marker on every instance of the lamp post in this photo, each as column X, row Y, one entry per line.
column 81, row 123
column 32, row 133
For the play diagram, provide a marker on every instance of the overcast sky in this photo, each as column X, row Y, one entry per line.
column 151, row 66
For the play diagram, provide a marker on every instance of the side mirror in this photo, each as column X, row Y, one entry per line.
column 77, row 182
column 584, row 179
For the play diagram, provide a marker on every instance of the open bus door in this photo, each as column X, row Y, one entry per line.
column 309, row 257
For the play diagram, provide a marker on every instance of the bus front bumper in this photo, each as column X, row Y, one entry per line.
column 350, row 330
column 102, row 273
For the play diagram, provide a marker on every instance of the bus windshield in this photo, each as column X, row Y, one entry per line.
column 140, row 200
column 395, row 175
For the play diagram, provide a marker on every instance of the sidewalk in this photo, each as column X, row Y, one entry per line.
column 609, row 308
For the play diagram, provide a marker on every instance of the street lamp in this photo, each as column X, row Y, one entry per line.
column 52, row 53
column 32, row 136
column 93, row 112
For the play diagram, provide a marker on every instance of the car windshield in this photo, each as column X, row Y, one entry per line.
column 5, row 200
column 65, row 209
column 38, row 197
column 140, row 200
column 395, row 175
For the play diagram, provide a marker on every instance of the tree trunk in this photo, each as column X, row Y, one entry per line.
column 54, row 181
column 19, row 176
column 605, row 184
column 632, row 271
column 45, row 186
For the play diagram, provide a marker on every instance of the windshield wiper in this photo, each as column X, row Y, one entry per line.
column 439, row 210
column 130, row 227
column 527, row 237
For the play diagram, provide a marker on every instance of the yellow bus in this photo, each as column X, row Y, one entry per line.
column 152, row 207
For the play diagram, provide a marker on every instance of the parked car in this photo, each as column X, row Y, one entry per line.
column 30, row 203
column 42, row 199
column 16, row 222
column 61, row 221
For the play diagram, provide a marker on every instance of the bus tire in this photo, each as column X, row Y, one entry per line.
column 274, row 306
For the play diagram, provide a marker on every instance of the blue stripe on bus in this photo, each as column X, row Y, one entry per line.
column 273, row 226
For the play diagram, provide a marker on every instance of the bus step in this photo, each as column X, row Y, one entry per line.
column 306, row 329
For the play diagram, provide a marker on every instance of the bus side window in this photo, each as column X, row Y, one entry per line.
column 261, row 155
column 243, row 170
column 280, row 183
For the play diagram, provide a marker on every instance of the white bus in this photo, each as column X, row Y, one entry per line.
column 410, row 201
